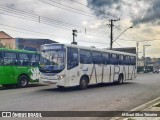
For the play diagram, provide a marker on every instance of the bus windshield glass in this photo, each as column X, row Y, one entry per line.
column 53, row 58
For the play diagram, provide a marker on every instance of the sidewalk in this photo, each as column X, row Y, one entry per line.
column 153, row 105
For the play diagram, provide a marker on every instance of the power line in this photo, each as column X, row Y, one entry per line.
column 68, row 9
column 68, row 29
column 129, row 36
column 75, row 10
column 118, row 44
column 46, row 34
column 41, row 19
column 32, row 31
column 94, row 9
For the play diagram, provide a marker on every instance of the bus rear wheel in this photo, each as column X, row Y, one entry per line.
column 8, row 85
column 83, row 83
column 23, row 81
column 120, row 79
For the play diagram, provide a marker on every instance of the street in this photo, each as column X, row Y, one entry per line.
column 107, row 97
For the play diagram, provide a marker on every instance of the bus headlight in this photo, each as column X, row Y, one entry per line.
column 60, row 76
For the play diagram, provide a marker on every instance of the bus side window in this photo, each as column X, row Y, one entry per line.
column 85, row 57
column 96, row 57
column 105, row 58
column 1, row 58
column 10, row 58
column 121, row 60
column 34, row 59
column 72, row 58
column 42, row 60
column 128, row 61
column 133, row 60
column 23, row 59
column 114, row 59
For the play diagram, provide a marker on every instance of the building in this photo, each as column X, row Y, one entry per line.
column 7, row 41
column 127, row 49
column 140, row 62
column 22, row 43
column 31, row 44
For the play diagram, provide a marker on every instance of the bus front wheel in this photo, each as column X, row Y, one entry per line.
column 23, row 81
column 83, row 83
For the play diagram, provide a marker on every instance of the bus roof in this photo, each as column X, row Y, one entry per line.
column 16, row 50
column 93, row 49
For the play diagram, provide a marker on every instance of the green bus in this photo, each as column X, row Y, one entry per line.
column 18, row 67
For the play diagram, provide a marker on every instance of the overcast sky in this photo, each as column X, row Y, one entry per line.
column 55, row 20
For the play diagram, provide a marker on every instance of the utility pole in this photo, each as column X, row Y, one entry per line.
column 137, row 55
column 74, row 35
column 111, row 24
column 144, row 55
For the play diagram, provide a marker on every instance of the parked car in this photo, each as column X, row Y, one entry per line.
column 147, row 70
column 156, row 70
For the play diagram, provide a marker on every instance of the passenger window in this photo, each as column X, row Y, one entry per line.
column 72, row 58
column 96, row 57
column 121, row 59
column 34, row 59
column 10, row 58
column 105, row 58
column 23, row 59
column 1, row 54
column 114, row 59
column 133, row 60
column 127, row 60
column 1, row 58
column 85, row 57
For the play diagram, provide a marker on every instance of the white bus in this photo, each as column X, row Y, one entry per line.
column 74, row 65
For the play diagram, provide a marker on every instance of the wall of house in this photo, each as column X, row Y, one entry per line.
column 7, row 41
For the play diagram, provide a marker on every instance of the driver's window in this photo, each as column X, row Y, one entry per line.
column 72, row 58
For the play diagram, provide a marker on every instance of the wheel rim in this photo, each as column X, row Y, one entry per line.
column 83, row 84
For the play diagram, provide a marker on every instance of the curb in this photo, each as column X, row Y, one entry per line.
column 139, row 108
column 146, row 105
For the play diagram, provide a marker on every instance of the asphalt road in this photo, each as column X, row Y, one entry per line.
column 107, row 97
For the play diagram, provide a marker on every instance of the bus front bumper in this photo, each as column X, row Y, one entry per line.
column 51, row 80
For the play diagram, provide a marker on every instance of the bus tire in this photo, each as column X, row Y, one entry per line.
column 8, row 85
column 120, row 79
column 23, row 81
column 83, row 83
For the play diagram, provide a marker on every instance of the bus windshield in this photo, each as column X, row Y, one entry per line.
column 53, row 59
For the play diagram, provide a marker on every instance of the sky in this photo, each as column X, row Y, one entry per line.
column 55, row 20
